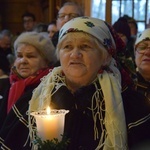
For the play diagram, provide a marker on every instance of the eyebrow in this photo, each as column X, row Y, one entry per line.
column 144, row 43
column 26, row 52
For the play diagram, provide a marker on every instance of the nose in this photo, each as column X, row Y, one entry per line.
column 23, row 60
column 66, row 19
column 76, row 53
column 147, row 52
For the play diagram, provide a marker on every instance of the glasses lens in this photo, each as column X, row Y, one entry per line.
column 142, row 47
column 73, row 15
column 62, row 16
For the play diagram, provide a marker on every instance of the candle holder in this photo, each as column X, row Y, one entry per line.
column 50, row 125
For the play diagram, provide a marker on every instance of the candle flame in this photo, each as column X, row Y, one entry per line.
column 48, row 110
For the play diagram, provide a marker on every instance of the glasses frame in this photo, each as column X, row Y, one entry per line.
column 62, row 16
column 142, row 48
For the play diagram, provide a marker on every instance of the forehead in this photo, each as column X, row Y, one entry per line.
column 69, row 9
column 145, row 42
column 131, row 25
column 78, row 37
column 26, row 48
column 27, row 18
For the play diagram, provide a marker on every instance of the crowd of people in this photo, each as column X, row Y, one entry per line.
column 99, row 72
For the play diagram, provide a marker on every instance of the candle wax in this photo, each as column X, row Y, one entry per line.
column 50, row 126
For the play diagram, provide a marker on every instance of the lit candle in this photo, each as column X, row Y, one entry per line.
column 50, row 123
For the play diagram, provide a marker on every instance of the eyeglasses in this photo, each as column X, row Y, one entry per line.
column 142, row 48
column 62, row 16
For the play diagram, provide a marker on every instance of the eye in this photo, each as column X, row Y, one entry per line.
column 73, row 15
column 67, row 47
column 19, row 55
column 85, row 46
column 30, row 56
column 142, row 47
column 61, row 16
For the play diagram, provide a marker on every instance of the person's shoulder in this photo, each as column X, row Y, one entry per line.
column 127, row 90
column 132, row 97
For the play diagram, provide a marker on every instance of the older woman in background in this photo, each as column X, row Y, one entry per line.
column 88, row 84
column 137, row 101
column 34, row 54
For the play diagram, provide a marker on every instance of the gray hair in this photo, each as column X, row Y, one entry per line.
column 79, row 8
column 5, row 32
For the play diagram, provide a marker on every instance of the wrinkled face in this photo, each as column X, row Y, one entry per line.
column 52, row 29
column 28, row 23
column 142, row 59
column 65, row 14
column 5, row 42
column 80, row 59
column 28, row 60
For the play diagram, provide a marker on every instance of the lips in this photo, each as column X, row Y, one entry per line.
column 75, row 63
column 146, row 59
column 24, row 69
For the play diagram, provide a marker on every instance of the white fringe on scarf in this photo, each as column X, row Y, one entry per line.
column 116, row 134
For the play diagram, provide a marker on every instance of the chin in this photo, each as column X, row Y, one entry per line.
column 25, row 75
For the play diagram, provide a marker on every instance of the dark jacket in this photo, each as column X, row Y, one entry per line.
column 137, row 111
column 79, row 124
column 14, row 130
column 15, row 124
column 4, row 88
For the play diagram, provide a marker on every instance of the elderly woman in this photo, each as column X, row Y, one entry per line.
column 34, row 54
column 87, row 84
column 137, row 101
column 142, row 55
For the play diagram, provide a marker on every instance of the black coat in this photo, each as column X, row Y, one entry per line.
column 79, row 124
column 137, row 111
column 79, row 121
column 14, row 126
column 4, row 88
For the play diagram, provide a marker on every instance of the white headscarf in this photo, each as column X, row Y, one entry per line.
column 145, row 35
column 97, row 28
